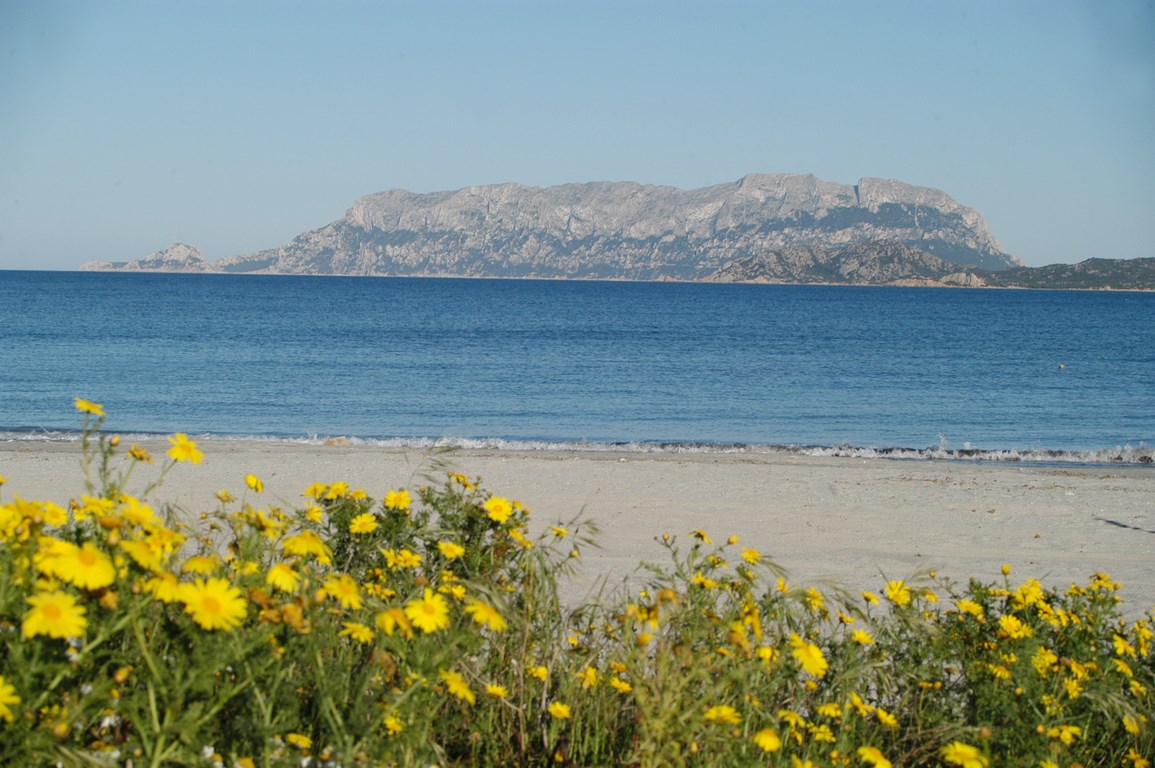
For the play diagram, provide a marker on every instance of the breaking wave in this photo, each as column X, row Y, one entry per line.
column 1140, row 455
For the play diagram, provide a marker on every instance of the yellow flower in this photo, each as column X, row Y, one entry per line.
column 457, row 685
column 363, row 523
column 971, row 607
column 620, row 685
column 809, row 656
column 560, row 711
column 884, row 717
column 859, row 705
column 767, row 740
column 86, row 566
column 282, row 576
column 357, row 631
column 398, row 500
column 1137, row 759
column 140, row 454
column 874, row 756
column 870, row 597
column 392, row 619
column 87, row 406
column 393, row 725
column 559, row 531
column 862, row 637
column 450, row 550
column 213, row 603
column 898, row 592
column 199, row 564
column 751, row 556
column 307, row 543
column 254, row 483
column 588, row 677
column 429, row 613
column 703, row 581
column 486, row 615
column 701, row 535
column 497, row 691
column 184, row 449
column 831, row 710
column 1122, row 647
column 722, row 713
column 8, row 697
column 498, row 508
column 1065, row 733
column 814, row 599
column 964, row 755
column 55, row 614
column 164, row 587
column 343, row 588
column 1010, row 626
column 538, row 671
column 300, row 741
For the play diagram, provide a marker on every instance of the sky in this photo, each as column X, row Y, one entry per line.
column 126, row 126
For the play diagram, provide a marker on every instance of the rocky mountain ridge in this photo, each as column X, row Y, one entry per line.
column 616, row 230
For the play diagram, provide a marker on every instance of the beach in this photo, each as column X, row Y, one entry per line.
column 828, row 521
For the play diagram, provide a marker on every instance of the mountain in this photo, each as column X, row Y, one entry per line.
column 622, row 230
column 1118, row 274
column 877, row 263
column 178, row 257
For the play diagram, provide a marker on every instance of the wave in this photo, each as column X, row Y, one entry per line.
column 1140, row 455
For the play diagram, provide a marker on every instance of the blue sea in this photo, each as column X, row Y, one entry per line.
column 905, row 372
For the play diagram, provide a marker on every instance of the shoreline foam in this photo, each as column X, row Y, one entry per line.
column 1140, row 455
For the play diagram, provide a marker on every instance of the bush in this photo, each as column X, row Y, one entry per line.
column 425, row 629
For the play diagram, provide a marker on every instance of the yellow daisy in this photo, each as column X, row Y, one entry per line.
column 363, row 523
column 964, row 755
column 457, row 685
column 87, row 406
column 722, row 713
column 398, row 500
column 86, row 566
column 343, row 588
column 305, row 544
column 357, row 631
column 282, row 576
column 486, row 615
column 213, row 603
column 450, row 550
column 428, row 613
column 184, row 449
column 8, row 697
column 54, row 614
column 498, row 508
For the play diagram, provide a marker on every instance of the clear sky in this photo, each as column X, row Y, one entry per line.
column 233, row 126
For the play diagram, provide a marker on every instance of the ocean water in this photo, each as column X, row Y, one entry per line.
column 988, row 374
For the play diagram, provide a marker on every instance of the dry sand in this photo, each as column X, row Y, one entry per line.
column 848, row 521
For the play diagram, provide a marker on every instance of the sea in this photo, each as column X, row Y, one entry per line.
column 913, row 373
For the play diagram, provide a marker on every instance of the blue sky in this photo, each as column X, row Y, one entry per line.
column 234, row 126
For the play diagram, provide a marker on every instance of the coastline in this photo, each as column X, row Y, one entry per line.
column 848, row 522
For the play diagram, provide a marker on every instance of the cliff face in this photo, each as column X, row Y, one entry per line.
column 625, row 230
column 881, row 263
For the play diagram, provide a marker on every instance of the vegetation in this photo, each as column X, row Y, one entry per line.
column 425, row 629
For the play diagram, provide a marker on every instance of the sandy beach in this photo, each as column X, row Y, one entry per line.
column 847, row 521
